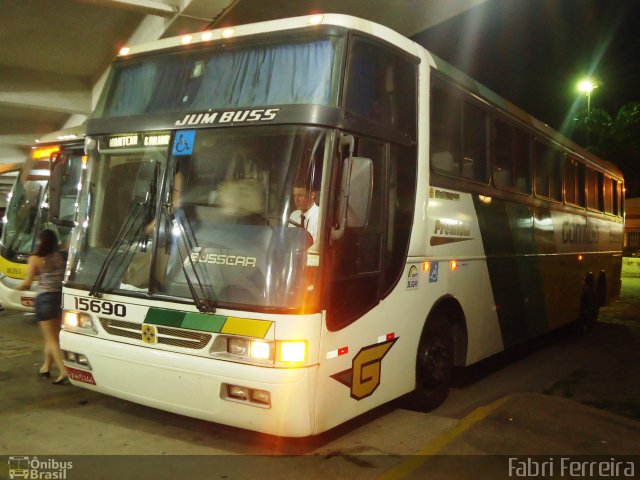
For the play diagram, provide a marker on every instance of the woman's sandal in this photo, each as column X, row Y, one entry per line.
column 44, row 374
column 62, row 381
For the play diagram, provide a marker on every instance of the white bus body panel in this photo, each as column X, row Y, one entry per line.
column 453, row 234
column 12, row 299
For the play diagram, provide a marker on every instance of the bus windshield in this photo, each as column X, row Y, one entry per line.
column 220, row 226
column 20, row 231
column 226, row 77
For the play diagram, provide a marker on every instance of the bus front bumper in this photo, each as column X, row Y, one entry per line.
column 196, row 386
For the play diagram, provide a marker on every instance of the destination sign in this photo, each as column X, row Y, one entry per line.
column 138, row 140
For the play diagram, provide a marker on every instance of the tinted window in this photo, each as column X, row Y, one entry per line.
column 503, row 154
column 382, row 87
column 458, row 135
column 522, row 155
column 570, row 181
column 401, row 196
column 574, row 181
column 595, row 200
column 445, row 131
column 474, row 143
column 608, row 195
column 356, row 275
column 548, row 170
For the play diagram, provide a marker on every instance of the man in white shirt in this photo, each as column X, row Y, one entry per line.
column 306, row 213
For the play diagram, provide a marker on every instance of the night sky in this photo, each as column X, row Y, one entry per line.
column 532, row 52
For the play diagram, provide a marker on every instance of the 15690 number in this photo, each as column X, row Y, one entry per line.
column 101, row 306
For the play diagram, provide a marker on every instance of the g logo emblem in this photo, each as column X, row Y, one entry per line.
column 149, row 334
column 364, row 375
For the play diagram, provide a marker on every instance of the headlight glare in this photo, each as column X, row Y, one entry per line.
column 293, row 351
column 260, row 350
column 78, row 322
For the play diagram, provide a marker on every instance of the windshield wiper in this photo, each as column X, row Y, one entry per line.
column 126, row 228
column 203, row 302
column 124, row 233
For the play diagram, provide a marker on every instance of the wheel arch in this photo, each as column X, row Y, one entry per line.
column 597, row 287
column 449, row 309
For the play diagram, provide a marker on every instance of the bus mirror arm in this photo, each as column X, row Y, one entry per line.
column 338, row 231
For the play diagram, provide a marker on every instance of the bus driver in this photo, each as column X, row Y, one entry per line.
column 306, row 213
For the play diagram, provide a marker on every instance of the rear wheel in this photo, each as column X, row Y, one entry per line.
column 434, row 366
column 589, row 310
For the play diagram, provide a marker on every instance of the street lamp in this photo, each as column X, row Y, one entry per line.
column 587, row 86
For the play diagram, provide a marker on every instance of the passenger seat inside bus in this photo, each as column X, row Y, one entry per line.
column 443, row 162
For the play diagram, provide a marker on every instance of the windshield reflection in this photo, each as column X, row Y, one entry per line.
column 220, row 233
column 20, row 230
column 42, row 200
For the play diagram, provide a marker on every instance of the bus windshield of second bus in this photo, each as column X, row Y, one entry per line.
column 23, row 210
column 43, row 197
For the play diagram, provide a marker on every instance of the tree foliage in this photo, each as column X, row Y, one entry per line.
column 616, row 139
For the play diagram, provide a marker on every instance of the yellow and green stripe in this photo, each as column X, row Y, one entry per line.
column 208, row 322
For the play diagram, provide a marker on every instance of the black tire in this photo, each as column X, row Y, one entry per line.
column 434, row 366
column 589, row 310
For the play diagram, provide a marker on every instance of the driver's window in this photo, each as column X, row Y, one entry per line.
column 357, row 255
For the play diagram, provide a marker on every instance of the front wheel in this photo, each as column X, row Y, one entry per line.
column 434, row 366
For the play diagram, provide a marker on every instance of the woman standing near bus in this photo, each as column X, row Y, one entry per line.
column 49, row 263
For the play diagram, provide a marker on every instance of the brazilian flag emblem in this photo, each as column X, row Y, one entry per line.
column 149, row 333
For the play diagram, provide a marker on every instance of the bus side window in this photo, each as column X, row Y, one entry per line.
column 445, row 132
column 380, row 87
column 595, row 184
column 503, row 154
column 522, row 153
column 608, row 195
column 549, row 170
column 570, row 168
column 474, row 142
column 400, row 204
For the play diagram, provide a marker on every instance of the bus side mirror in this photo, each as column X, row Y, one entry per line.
column 360, row 191
column 355, row 191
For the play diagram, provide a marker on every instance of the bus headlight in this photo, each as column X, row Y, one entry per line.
column 281, row 353
column 78, row 322
column 243, row 349
column 292, row 351
column 261, row 350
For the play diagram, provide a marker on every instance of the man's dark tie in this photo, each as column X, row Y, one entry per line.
column 302, row 220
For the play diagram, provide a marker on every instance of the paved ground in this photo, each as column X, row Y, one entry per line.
column 611, row 380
